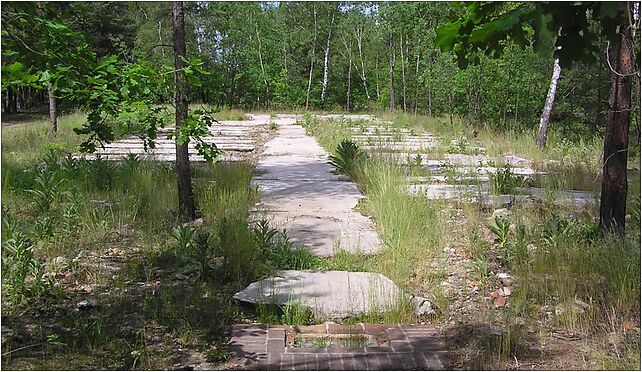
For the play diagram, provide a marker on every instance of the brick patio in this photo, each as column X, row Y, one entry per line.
column 397, row 347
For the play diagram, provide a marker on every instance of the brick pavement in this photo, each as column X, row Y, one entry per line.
column 398, row 347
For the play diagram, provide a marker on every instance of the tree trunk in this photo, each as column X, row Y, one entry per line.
column 429, row 99
column 450, row 107
column 186, row 207
column 326, row 58
column 53, row 113
column 377, row 77
column 414, row 101
column 391, row 106
column 348, row 46
column 616, row 140
column 267, row 86
column 349, row 83
column 12, row 104
column 312, row 57
column 160, row 38
column 403, row 73
column 516, row 105
column 548, row 106
column 363, row 67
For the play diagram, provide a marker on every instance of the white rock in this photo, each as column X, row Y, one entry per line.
column 329, row 294
column 86, row 304
column 501, row 213
column 422, row 306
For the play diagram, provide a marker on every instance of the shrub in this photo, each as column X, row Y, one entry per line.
column 504, row 181
column 347, row 157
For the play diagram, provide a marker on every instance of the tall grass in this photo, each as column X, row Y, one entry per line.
column 409, row 226
column 559, row 261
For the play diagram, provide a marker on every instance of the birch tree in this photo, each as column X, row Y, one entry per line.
column 326, row 57
column 548, row 106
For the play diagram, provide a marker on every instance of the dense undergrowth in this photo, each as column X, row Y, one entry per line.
column 71, row 224
column 107, row 233
column 567, row 275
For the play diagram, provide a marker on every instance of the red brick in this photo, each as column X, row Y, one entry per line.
column 396, row 360
column 428, row 361
column 335, row 362
column 306, row 350
column 276, row 333
column 427, row 344
column 262, row 361
column 276, row 346
column 385, row 364
column 310, row 363
column 372, row 362
column 287, row 362
column 409, row 362
column 344, row 328
column 349, row 362
column 378, row 349
column 395, row 334
column 400, row 346
column 360, row 362
column 323, row 362
column 274, row 362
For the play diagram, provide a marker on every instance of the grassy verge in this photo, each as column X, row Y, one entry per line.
column 97, row 273
column 567, row 280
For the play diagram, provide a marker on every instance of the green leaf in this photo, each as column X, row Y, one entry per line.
column 484, row 33
column 15, row 68
column 447, row 35
column 608, row 9
column 45, row 76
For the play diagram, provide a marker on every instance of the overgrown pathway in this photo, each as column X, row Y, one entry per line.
column 300, row 192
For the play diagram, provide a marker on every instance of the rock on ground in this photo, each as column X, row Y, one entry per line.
column 329, row 294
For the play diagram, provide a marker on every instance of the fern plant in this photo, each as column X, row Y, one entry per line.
column 347, row 157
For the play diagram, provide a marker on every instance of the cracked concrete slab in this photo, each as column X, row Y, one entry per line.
column 301, row 193
column 329, row 294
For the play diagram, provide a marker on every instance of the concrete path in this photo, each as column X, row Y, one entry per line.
column 300, row 192
column 237, row 139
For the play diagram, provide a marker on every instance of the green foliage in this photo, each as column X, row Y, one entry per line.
column 183, row 236
column 46, row 190
column 504, row 181
column 253, row 252
column 462, row 146
column 347, row 157
column 22, row 273
column 501, row 228
column 483, row 28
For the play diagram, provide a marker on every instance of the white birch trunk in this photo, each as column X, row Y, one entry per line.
column 312, row 58
column 363, row 67
column 325, row 60
column 403, row 73
column 548, row 106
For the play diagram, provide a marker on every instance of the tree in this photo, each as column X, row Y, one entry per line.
column 484, row 27
column 186, row 207
column 548, row 106
column 616, row 141
column 326, row 55
column 38, row 50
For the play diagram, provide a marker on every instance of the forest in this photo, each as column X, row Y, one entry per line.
column 163, row 160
